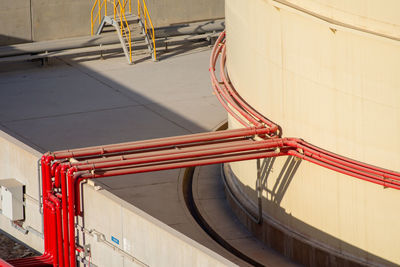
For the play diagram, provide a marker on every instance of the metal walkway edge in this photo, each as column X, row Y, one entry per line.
column 124, row 21
column 135, row 25
column 49, row 48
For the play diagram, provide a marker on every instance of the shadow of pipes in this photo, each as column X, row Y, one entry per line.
column 283, row 180
column 279, row 229
column 76, row 103
column 140, row 52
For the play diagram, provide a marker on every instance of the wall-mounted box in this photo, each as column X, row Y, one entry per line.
column 12, row 199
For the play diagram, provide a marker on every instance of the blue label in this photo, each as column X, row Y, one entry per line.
column 115, row 240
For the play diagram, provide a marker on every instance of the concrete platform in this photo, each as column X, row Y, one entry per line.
column 83, row 101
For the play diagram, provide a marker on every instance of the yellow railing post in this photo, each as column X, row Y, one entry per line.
column 147, row 16
column 119, row 14
column 99, row 8
column 91, row 16
column 105, row 8
column 130, row 44
column 91, row 24
column 115, row 10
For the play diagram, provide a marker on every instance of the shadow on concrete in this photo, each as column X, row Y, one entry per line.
column 6, row 40
column 287, row 241
column 165, row 49
column 72, row 102
column 66, row 105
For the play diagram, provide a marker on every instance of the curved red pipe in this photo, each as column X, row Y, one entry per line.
column 316, row 155
column 154, row 155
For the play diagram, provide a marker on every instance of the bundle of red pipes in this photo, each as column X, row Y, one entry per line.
column 249, row 117
column 63, row 171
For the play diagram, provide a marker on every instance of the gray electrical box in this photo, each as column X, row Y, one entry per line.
column 12, row 199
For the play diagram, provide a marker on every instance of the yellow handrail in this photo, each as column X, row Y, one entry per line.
column 147, row 20
column 125, row 31
column 99, row 4
column 119, row 15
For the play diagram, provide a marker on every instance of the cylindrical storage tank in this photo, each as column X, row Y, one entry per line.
column 327, row 72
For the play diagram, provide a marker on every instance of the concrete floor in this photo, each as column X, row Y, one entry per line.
column 78, row 101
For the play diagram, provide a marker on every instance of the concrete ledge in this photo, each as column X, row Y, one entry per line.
column 19, row 161
column 137, row 236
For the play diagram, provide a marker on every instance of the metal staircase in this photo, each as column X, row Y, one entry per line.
column 126, row 24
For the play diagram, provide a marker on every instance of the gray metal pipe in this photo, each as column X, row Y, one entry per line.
column 191, row 28
column 88, row 41
column 61, row 44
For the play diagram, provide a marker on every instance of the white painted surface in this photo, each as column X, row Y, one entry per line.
column 335, row 89
column 140, row 235
column 12, row 199
column 21, row 162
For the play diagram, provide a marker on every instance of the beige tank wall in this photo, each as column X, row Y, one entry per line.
column 336, row 87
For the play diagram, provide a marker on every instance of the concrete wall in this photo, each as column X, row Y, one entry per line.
column 327, row 73
column 38, row 20
column 15, row 19
column 138, row 235
column 20, row 162
column 169, row 12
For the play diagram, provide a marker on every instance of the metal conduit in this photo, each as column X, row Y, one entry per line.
column 89, row 41
column 68, row 168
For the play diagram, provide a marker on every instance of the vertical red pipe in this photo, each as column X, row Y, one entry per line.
column 64, row 200
column 42, row 165
column 55, row 171
column 71, row 217
column 45, row 165
column 52, row 232
column 58, row 226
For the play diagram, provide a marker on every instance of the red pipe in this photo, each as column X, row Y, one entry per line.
column 42, row 260
column 227, row 108
column 52, row 232
column 242, row 103
column 71, row 210
column 226, row 95
column 56, row 174
column 3, row 263
column 58, row 226
column 349, row 162
column 59, row 174
column 154, row 143
column 199, row 162
column 167, row 156
column 297, row 154
column 46, row 188
column 158, row 154
column 356, row 169
column 44, row 180
column 221, row 96
column 345, row 164
column 163, row 151
column 64, row 200
column 74, row 178
column 159, row 167
column 184, row 155
column 353, row 170
column 342, row 164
